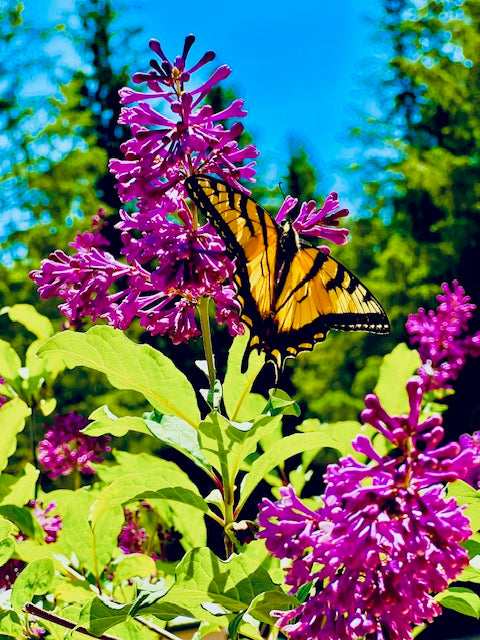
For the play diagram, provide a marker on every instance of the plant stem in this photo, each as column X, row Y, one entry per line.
column 207, row 338
column 33, row 445
column 29, row 607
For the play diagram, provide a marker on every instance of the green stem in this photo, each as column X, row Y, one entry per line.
column 33, row 445
column 207, row 338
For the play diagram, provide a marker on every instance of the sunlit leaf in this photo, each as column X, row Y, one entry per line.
column 12, row 421
column 397, row 367
column 129, row 366
column 35, row 579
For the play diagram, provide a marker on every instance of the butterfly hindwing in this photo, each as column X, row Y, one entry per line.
column 291, row 295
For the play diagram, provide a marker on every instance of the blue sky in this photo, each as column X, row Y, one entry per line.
column 301, row 67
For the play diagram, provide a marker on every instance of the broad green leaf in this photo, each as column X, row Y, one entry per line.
column 133, row 630
column 18, row 490
column 47, row 406
column 397, row 367
column 10, row 363
column 280, row 402
column 470, row 574
column 465, row 494
column 7, row 547
column 275, row 456
column 29, row 317
column 106, row 422
column 203, row 578
column 12, row 421
column 462, row 600
column 6, row 528
column 237, row 385
column 20, row 516
column 167, row 484
column 136, row 565
column 99, row 615
column 10, row 626
column 78, row 591
column 178, row 434
column 35, row 579
column 129, row 366
column 93, row 548
column 226, row 446
column 268, row 601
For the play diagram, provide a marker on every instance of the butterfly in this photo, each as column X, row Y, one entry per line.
column 291, row 293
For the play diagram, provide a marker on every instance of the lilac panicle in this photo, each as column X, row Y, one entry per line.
column 440, row 337
column 189, row 138
column 317, row 223
column 171, row 260
column 384, row 541
column 132, row 537
column 65, row 449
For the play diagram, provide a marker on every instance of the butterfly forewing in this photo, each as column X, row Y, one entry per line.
column 291, row 296
column 250, row 235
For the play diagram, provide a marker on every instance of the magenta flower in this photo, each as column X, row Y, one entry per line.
column 51, row 524
column 384, row 541
column 472, row 443
column 65, row 449
column 165, row 149
column 172, row 261
column 322, row 223
column 440, row 336
column 132, row 537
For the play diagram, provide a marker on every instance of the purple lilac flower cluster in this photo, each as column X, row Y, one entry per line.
column 440, row 337
column 65, row 449
column 133, row 536
column 385, row 539
column 171, row 260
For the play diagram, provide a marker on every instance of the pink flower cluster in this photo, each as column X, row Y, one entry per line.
column 385, row 540
column 171, row 260
column 65, row 449
column 440, row 337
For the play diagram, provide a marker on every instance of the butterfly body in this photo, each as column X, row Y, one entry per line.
column 291, row 293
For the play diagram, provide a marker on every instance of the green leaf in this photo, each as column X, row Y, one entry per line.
column 280, row 402
column 21, row 517
column 236, row 386
column 35, row 579
column 136, row 565
column 129, row 366
column 166, row 484
column 93, row 548
column 465, row 494
column 12, row 421
column 29, row 317
column 10, row 626
column 98, row 615
column 18, row 490
column 7, row 547
column 226, row 446
column 340, row 434
column 106, row 422
column 397, row 367
column 10, row 363
column 178, row 434
column 268, row 601
column 462, row 600
column 275, row 456
column 202, row 578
